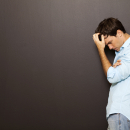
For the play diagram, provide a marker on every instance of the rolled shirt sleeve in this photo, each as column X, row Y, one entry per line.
column 119, row 73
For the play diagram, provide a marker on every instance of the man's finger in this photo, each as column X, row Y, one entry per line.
column 95, row 37
column 116, row 64
column 102, row 38
column 118, row 60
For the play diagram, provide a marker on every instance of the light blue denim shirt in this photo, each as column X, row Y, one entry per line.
column 119, row 77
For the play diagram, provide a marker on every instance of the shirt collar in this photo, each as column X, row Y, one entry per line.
column 126, row 44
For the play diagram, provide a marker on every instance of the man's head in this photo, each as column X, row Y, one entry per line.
column 113, row 32
column 110, row 26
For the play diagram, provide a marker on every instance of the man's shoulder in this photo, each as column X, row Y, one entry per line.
column 126, row 50
column 125, row 54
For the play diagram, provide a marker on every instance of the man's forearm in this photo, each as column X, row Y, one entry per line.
column 104, row 60
column 101, row 45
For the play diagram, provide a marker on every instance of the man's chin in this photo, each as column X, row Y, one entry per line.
column 117, row 50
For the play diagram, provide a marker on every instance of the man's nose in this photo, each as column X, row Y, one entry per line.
column 110, row 46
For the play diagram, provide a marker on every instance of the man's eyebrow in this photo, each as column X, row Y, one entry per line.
column 109, row 42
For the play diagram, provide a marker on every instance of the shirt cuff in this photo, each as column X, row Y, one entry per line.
column 110, row 72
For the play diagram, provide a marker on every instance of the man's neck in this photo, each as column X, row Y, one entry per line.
column 126, row 36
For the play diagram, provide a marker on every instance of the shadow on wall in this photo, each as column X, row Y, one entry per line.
column 110, row 54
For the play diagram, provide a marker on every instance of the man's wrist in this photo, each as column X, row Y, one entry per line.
column 100, row 49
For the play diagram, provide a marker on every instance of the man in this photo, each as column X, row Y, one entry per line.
column 114, row 35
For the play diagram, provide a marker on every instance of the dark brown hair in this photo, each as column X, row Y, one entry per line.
column 110, row 26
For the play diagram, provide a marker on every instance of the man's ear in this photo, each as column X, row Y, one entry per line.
column 119, row 33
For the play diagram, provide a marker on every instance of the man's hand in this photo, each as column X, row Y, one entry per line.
column 117, row 63
column 99, row 44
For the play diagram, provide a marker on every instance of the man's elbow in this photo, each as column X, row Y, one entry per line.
column 112, row 80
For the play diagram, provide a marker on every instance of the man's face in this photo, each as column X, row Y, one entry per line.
column 113, row 42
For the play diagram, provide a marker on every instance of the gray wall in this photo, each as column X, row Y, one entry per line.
column 51, row 77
